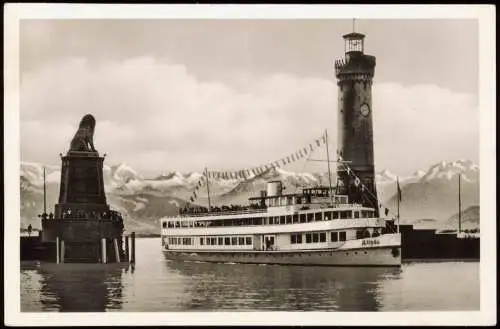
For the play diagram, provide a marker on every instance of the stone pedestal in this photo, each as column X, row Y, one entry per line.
column 82, row 184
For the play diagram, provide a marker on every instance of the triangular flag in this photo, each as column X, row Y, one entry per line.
column 317, row 142
column 288, row 159
column 323, row 139
column 293, row 157
column 311, row 147
column 305, row 150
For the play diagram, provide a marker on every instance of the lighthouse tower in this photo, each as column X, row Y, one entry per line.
column 355, row 127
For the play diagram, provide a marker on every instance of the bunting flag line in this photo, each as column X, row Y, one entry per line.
column 246, row 173
column 364, row 188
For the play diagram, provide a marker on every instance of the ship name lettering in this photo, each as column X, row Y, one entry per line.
column 370, row 242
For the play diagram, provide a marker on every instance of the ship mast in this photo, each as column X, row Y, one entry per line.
column 459, row 207
column 208, row 188
column 44, row 193
column 329, row 173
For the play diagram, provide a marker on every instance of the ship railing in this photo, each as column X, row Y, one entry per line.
column 222, row 213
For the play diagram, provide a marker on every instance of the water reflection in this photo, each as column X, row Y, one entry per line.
column 273, row 287
column 76, row 287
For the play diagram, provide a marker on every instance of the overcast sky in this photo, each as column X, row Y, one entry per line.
column 229, row 94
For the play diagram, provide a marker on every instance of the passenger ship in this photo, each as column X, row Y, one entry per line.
column 314, row 227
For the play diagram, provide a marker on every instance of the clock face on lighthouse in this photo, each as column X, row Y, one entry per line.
column 365, row 109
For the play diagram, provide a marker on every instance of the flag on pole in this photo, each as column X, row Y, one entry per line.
column 323, row 139
column 399, row 189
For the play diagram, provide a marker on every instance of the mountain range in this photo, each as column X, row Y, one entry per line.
column 428, row 196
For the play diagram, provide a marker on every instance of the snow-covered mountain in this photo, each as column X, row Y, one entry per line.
column 427, row 194
column 435, row 194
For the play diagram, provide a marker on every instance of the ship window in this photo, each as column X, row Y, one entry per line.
column 295, row 218
column 184, row 224
column 315, row 237
column 299, row 238
column 177, row 224
column 241, row 241
column 201, row 241
column 334, row 236
column 282, row 220
column 359, row 234
column 248, row 240
column 342, row 236
column 220, row 241
column 344, row 214
column 289, row 219
column 293, row 239
column 335, row 214
column 322, row 237
column 356, row 214
column 214, row 241
column 164, row 225
column 302, row 218
column 298, row 200
column 318, row 216
column 227, row 241
column 234, row 240
column 310, row 217
column 308, row 238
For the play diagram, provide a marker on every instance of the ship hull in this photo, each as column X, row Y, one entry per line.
column 378, row 256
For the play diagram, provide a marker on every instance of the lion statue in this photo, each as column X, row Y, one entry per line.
column 84, row 137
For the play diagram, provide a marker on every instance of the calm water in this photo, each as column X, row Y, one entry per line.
column 156, row 284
